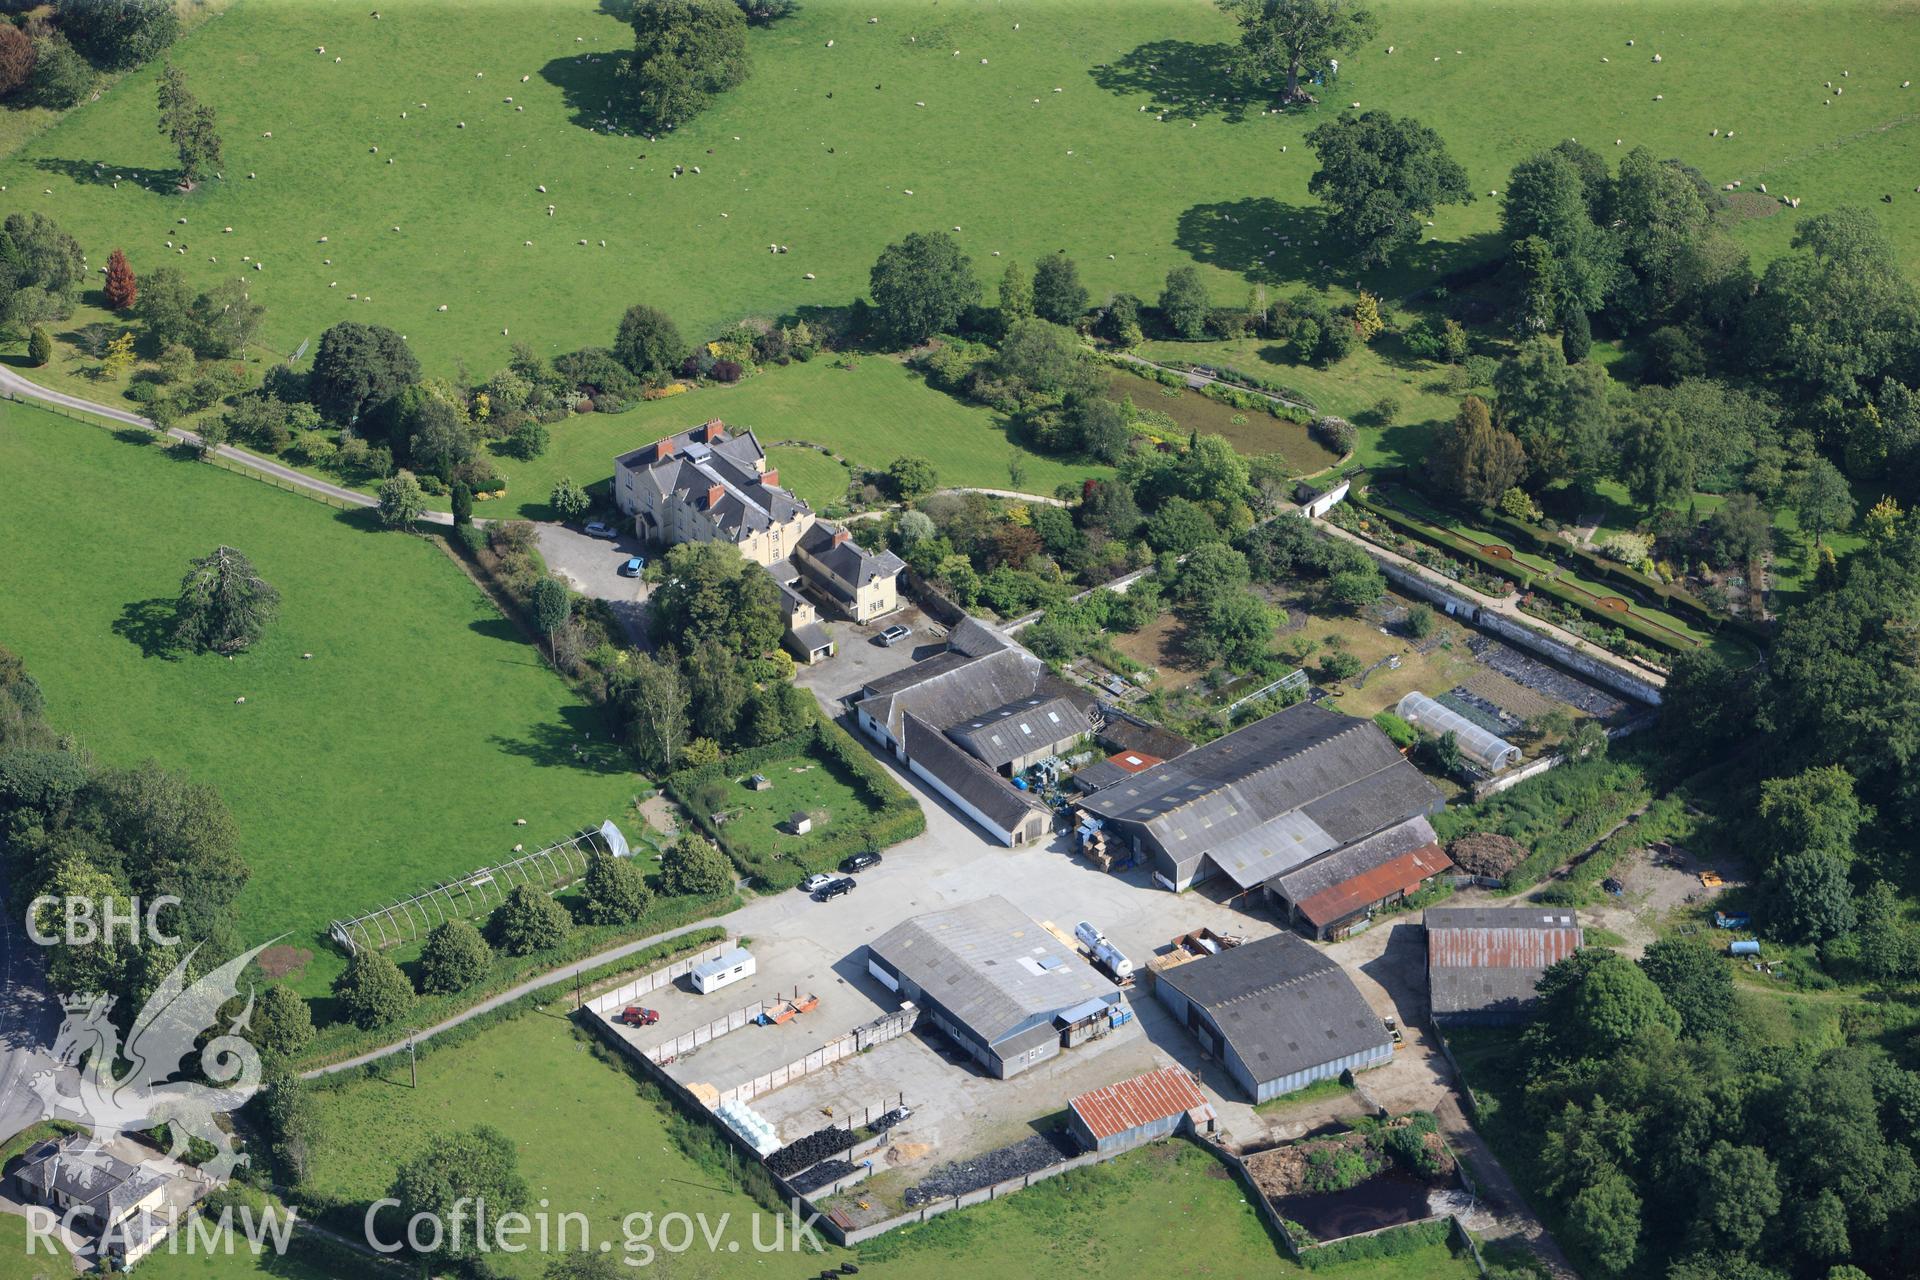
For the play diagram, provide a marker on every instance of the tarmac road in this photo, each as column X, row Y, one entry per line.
column 29, row 1019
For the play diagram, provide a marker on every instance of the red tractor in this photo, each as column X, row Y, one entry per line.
column 639, row 1016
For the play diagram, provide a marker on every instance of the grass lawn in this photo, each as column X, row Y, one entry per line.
column 801, row 784
column 402, row 752
column 15, row 1264
column 815, row 476
column 869, row 414
column 811, row 154
column 1249, row 431
column 588, row 1143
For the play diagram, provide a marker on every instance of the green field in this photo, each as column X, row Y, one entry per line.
column 824, row 159
column 588, row 1143
column 401, row 752
column 869, row 414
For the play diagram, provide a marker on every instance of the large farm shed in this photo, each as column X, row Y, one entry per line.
column 1144, row 1109
column 993, row 979
column 1265, row 799
column 1337, row 894
column 969, row 720
column 1483, row 963
column 1277, row 1013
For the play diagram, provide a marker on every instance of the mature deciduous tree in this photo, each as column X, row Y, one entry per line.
column 1282, row 36
column 451, row 1176
column 356, row 368
column 373, row 992
column 649, row 342
column 654, row 700
column 454, row 958
column 1474, row 458
column 122, row 290
column 528, row 921
column 684, row 53
column 401, row 501
column 189, row 124
column 1058, row 294
column 613, row 890
column 921, row 285
column 1381, row 175
column 691, row 865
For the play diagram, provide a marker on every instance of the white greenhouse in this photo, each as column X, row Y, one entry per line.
column 1488, row 750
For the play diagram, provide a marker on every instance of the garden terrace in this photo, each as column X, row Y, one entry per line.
column 1252, row 431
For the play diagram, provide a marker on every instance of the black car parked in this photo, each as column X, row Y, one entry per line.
column 828, row 892
column 860, row 861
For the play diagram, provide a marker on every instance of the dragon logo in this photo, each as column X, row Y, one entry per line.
column 165, row 1035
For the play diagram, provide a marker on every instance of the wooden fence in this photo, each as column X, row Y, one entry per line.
column 225, row 464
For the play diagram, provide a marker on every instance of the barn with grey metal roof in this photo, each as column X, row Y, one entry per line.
column 1277, row 1013
column 970, row 720
column 1266, row 798
column 991, row 977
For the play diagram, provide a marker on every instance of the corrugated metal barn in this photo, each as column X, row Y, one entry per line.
column 1144, row 1109
column 1277, row 1013
column 1483, row 963
column 993, row 979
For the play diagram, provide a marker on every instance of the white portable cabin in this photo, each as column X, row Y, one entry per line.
column 722, row 971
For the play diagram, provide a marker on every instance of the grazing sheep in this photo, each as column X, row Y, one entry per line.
column 1656, row 57
column 541, row 188
column 442, row 307
column 808, row 276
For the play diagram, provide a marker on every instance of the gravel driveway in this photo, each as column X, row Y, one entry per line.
column 591, row 566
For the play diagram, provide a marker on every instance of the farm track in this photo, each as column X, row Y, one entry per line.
column 20, row 387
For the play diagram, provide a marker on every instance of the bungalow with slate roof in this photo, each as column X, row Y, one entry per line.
column 707, row 484
column 115, row 1202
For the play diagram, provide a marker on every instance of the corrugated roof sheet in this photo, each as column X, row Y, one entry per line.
column 983, row 788
column 973, row 959
column 1142, row 1100
column 1356, row 863
column 1401, row 874
column 1133, row 761
column 1282, row 1005
column 1340, row 773
column 1482, row 959
column 1006, row 733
